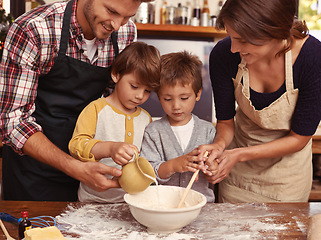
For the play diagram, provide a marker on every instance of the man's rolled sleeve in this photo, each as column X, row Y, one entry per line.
column 18, row 76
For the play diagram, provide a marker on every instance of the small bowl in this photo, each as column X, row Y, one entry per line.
column 156, row 208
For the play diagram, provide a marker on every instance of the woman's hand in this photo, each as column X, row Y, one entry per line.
column 210, row 160
column 226, row 162
column 212, row 167
column 223, row 137
column 215, row 151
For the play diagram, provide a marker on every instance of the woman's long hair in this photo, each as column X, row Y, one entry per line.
column 257, row 21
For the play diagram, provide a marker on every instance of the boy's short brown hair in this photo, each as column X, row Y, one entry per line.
column 141, row 59
column 181, row 67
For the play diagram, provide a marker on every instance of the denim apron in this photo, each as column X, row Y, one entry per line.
column 287, row 178
column 69, row 86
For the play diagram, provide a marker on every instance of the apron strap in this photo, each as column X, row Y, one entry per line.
column 288, row 71
column 243, row 73
column 65, row 28
column 114, row 36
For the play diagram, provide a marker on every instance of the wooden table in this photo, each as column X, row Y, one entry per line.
column 216, row 221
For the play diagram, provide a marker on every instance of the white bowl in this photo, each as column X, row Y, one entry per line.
column 156, row 208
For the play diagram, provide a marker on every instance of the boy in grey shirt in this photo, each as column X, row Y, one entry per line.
column 170, row 143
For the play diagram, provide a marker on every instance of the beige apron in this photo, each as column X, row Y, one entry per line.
column 287, row 178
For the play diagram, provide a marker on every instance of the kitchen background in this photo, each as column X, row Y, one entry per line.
column 310, row 10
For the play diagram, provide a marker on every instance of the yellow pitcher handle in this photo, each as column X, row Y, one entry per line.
column 137, row 162
column 136, row 155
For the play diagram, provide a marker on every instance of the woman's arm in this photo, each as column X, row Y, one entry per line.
column 223, row 137
column 291, row 143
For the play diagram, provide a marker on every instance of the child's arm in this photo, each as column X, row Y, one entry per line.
column 181, row 164
column 83, row 140
column 84, row 147
column 120, row 152
column 154, row 148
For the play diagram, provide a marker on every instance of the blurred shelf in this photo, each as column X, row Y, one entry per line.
column 178, row 31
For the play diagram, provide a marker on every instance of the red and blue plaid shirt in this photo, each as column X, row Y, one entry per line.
column 31, row 45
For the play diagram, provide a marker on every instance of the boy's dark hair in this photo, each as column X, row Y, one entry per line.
column 183, row 68
column 141, row 59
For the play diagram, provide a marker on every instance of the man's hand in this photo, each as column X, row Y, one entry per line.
column 93, row 175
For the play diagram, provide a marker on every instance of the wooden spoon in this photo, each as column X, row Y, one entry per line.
column 5, row 231
column 189, row 185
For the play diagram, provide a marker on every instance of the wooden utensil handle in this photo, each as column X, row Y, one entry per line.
column 5, row 230
column 187, row 189
column 189, row 185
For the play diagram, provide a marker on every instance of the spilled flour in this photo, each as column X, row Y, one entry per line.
column 102, row 222
column 216, row 221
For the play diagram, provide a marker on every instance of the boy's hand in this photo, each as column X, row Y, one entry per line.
column 122, row 153
column 189, row 162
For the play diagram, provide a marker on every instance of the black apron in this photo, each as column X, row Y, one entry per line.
column 62, row 94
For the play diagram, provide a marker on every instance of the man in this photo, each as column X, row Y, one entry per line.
column 56, row 60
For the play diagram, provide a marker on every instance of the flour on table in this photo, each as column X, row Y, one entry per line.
column 216, row 221
column 103, row 222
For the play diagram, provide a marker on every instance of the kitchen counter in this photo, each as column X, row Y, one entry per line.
column 216, row 221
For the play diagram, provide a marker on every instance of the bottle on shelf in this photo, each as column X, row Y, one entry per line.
column 213, row 21
column 189, row 12
column 142, row 13
column 196, row 14
column 163, row 12
column 205, row 14
column 151, row 13
column 24, row 224
column 170, row 14
column 181, row 15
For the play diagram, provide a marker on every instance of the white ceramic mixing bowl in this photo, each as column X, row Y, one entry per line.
column 156, row 208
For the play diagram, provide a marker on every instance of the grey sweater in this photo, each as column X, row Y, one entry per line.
column 160, row 145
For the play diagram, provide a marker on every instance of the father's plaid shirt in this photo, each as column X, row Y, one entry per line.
column 32, row 44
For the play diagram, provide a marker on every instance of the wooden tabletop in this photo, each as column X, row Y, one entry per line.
column 216, row 221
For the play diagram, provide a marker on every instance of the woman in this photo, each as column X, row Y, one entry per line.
column 271, row 68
